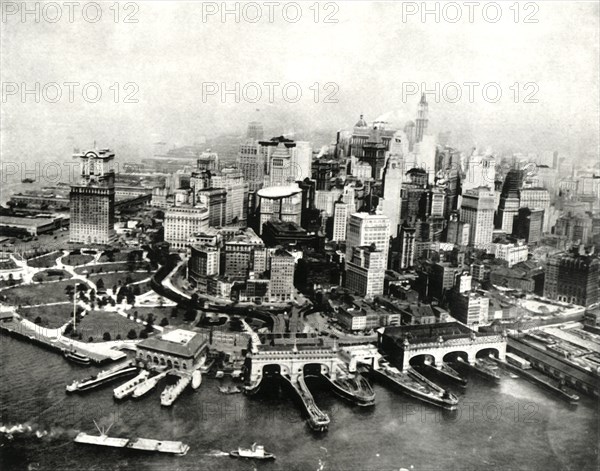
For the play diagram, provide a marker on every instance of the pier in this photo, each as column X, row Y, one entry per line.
column 317, row 419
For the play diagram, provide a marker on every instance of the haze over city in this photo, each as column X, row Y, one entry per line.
column 369, row 53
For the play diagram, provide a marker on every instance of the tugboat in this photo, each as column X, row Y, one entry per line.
column 256, row 452
column 77, row 357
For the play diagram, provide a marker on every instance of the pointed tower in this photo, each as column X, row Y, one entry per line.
column 422, row 119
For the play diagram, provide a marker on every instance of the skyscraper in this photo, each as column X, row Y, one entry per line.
column 477, row 209
column 281, row 286
column 422, row 119
column 340, row 220
column 392, row 191
column 407, row 247
column 367, row 229
column 365, row 271
column 93, row 199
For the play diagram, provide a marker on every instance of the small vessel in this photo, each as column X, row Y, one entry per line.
column 147, row 385
column 101, row 378
column 229, row 389
column 256, row 452
column 219, row 374
column 77, row 357
column 127, row 388
column 517, row 361
column 196, row 379
column 28, row 180
column 172, row 391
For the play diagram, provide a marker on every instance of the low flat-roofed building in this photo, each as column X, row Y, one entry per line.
column 179, row 349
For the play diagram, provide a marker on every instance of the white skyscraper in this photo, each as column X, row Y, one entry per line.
column 477, row 210
column 366, row 229
column 340, row 220
column 392, row 190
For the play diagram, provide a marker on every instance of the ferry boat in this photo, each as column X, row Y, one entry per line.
column 256, row 452
column 352, row 387
column 127, row 388
column 77, row 357
column 146, row 386
column 417, row 386
column 101, row 378
column 485, row 368
column 172, row 391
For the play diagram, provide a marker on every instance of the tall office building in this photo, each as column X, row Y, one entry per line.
column 407, row 247
column 281, row 287
column 365, row 271
column 236, row 204
column 285, row 161
column 93, row 199
column 572, row 278
column 251, row 164
column 422, row 119
column 244, row 253
column 366, row 229
column 509, row 200
column 204, row 262
column 392, row 191
column 340, row 220
column 529, row 225
column 182, row 222
column 477, row 210
column 215, row 200
column 480, row 172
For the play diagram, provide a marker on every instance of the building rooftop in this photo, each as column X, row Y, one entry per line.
column 275, row 192
column 180, row 342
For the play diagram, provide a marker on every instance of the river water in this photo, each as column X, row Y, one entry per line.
column 510, row 426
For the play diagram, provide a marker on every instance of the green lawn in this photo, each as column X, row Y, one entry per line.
column 111, row 279
column 77, row 259
column 37, row 293
column 52, row 316
column 45, row 261
column 110, row 267
column 159, row 313
column 51, row 275
column 118, row 256
column 96, row 323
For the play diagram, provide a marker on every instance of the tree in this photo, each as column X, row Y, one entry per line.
column 100, row 284
column 38, row 320
column 131, row 335
column 106, row 337
column 143, row 334
column 164, row 322
column 118, row 336
column 174, row 312
column 91, row 339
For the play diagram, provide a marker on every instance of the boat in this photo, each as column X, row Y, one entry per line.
column 172, row 391
column 147, row 385
column 205, row 367
column 219, row 374
column 127, row 388
column 417, row 386
column 142, row 444
column 256, row 452
column 77, row 357
column 483, row 367
column 352, row 387
column 229, row 389
column 101, row 378
column 196, row 379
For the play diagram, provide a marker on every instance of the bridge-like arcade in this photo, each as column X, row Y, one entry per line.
column 439, row 343
column 291, row 365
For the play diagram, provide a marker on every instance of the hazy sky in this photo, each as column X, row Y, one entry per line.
column 369, row 53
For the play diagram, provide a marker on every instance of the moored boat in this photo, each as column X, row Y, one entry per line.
column 77, row 357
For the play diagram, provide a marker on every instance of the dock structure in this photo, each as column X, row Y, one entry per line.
column 58, row 344
column 317, row 419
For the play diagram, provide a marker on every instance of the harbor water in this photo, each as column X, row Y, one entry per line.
column 512, row 425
